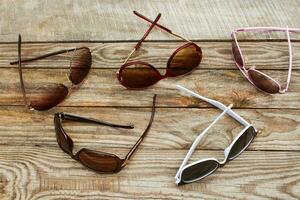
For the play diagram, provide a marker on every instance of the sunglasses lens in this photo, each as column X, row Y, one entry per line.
column 63, row 140
column 236, row 54
column 47, row 96
column 138, row 76
column 80, row 65
column 185, row 60
column 99, row 161
column 242, row 143
column 263, row 82
column 199, row 170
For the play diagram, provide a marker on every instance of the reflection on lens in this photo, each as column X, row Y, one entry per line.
column 99, row 161
column 63, row 140
column 236, row 54
column 138, row 76
column 242, row 142
column 80, row 65
column 199, row 170
column 263, row 82
column 47, row 96
column 185, row 60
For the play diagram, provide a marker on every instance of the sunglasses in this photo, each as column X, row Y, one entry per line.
column 204, row 167
column 46, row 96
column 96, row 160
column 139, row 74
column 257, row 78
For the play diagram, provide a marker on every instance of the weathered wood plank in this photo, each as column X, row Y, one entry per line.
column 33, row 167
column 102, row 20
column 46, row 172
column 216, row 55
column 172, row 128
column 103, row 89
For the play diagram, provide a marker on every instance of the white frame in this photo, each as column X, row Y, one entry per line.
column 226, row 110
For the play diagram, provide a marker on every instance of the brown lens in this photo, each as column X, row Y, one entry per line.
column 80, row 65
column 47, row 96
column 138, row 75
column 236, row 54
column 63, row 140
column 263, row 82
column 184, row 60
column 99, row 161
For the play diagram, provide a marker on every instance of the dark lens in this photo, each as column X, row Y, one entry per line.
column 199, row 170
column 47, row 96
column 138, row 75
column 63, row 140
column 99, row 161
column 236, row 54
column 242, row 142
column 80, row 65
column 185, row 60
column 263, row 82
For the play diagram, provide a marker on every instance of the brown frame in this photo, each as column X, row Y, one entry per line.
column 20, row 61
column 67, row 144
column 137, row 46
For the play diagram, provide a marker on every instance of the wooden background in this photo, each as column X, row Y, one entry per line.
column 32, row 166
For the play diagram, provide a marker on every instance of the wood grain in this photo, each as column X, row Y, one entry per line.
column 216, row 55
column 59, row 20
column 103, row 89
column 46, row 172
column 32, row 166
column 172, row 128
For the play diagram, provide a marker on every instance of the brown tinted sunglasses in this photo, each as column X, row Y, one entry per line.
column 139, row 74
column 96, row 160
column 46, row 96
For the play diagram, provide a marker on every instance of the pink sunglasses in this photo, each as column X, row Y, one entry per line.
column 260, row 80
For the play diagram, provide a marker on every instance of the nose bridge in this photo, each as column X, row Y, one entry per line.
column 223, row 162
column 226, row 153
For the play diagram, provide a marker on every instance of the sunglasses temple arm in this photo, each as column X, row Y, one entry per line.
column 77, row 118
column 129, row 55
column 137, row 46
column 290, row 59
column 132, row 150
column 45, row 55
column 160, row 26
column 198, row 140
column 214, row 103
column 20, row 71
column 261, row 29
column 147, row 32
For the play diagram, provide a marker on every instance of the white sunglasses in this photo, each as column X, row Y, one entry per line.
column 204, row 167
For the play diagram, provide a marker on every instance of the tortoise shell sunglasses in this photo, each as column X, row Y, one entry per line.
column 96, row 160
column 139, row 74
column 45, row 96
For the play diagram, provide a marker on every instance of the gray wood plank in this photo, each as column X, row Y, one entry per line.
column 60, row 20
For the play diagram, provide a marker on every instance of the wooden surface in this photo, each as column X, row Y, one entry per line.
column 32, row 166
column 63, row 20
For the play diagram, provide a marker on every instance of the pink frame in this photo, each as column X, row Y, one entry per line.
column 137, row 46
column 245, row 71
